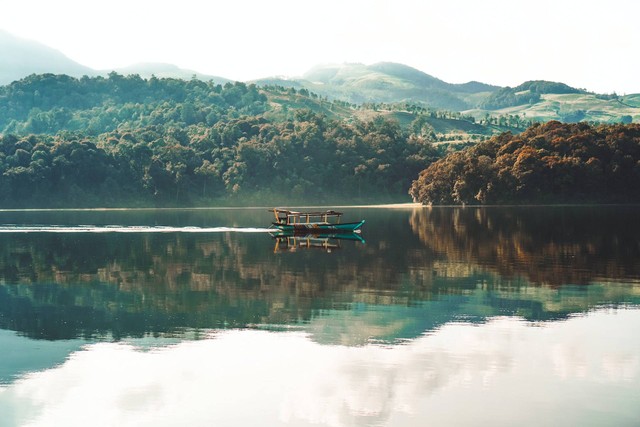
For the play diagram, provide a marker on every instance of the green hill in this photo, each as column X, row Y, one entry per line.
column 125, row 140
column 160, row 70
column 535, row 100
column 526, row 93
column 387, row 82
column 631, row 100
column 51, row 103
column 130, row 141
column 380, row 83
column 572, row 107
column 548, row 163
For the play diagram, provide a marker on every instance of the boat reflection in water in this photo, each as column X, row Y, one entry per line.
column 291, row 242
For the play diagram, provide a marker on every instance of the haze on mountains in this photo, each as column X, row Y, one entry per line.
column 22, row 57
column 383, row 82
column 104, row 137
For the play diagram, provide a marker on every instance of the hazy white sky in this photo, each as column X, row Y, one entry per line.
column 591, row 44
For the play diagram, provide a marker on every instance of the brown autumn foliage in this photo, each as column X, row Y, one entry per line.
column 548, row 163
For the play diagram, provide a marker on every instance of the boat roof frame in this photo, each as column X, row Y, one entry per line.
column 296, row 213
column 286, row 216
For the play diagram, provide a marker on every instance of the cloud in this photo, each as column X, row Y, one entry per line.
column 264, row 378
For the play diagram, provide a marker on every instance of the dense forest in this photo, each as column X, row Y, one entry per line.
column 548, row 163
column 311, row 158
column 128, row 141
column 50, row 103
column 123, row 141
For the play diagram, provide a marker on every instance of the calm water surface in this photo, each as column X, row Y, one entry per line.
column 441, row 316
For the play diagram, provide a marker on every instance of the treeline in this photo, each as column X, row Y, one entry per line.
column 130, row 141
column 527, row 93
column 51, row 103
column 123, row 141
column 548, row 163
column 310, row 158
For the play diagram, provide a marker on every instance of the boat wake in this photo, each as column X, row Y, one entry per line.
column 15, row 228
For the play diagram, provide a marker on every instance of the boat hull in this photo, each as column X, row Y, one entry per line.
column 319, row 228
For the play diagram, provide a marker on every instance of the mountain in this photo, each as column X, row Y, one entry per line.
column 542, row 101
column 383, row 82
column 162, row 70
column 21, row 57
column 536, row 100
column 527, row 93
column 475, row 87
column 387, row 82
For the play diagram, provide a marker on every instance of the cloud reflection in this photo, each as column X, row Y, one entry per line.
column 499, row 372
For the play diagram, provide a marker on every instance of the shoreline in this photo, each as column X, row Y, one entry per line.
column 390, row 205
column 409, row 205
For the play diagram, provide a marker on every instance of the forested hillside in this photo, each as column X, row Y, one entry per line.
column 548, row 163
column 353, row 83
column 526, row 93
column 247, row 159
column 128, row 141
column 49, row 103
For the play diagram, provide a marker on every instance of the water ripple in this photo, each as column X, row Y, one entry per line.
column 15, row 228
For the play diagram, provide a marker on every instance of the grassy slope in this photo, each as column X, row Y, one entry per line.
column 554, row 107
column 395, row 83
column 284, row 105
column 388, row 82
column 449, row 130
column 383, row 82
column 632, row 100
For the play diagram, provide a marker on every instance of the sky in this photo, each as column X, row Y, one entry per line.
column 587, row 44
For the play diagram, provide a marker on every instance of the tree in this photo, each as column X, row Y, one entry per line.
column 554, row 162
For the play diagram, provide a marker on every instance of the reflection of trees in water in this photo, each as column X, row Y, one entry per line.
column 547, row 245
column 56, row 285
column 447, row 264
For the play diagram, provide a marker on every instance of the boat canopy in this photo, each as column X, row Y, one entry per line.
column 286, row 216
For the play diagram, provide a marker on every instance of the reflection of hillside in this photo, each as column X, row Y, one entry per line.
column 547, row 245
column 415, row 273
column 58, row 286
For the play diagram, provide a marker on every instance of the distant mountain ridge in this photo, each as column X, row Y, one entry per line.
column 383, row 82
column 357, row 83
column 22, row 57
column 387, row 82
column 161, row 70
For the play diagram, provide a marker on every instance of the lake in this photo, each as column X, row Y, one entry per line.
column 431, row 316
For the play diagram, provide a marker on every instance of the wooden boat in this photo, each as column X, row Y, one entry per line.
column 313, row 222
